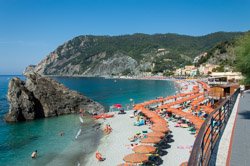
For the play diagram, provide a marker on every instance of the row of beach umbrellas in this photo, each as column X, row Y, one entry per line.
column 159, row 130
column 160, row 125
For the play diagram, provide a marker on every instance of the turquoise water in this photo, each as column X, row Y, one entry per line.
column 111, row 91
column 17, row 141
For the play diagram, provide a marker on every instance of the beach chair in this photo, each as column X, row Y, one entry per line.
column 177, row 125
column 193, row 132
column 184, row 125
column 191, row 128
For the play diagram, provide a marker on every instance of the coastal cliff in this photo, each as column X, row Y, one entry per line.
column 42, row 97
column 130, row 55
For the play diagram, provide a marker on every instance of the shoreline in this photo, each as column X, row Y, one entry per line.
column 114, row 146
column 116, row 77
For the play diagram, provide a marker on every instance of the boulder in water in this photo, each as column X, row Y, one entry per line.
column 42, row 97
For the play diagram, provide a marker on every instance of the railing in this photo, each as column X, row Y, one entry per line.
column 211, row 131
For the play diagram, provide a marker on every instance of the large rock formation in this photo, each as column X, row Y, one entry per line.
column 41, row 97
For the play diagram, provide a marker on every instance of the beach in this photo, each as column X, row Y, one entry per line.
column 116, row 145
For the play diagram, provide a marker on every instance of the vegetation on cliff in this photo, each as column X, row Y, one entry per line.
column 89, row 55
column 243, row 56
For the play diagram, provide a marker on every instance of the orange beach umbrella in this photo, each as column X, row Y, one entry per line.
column 146, row 149
column 151, row 140
column 126, row 164
column 157, row 125
column 159, row 129
column 137, row 107
column 160, row 124
column 136, row 158
column 156, row 134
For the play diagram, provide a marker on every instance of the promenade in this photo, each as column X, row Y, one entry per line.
column 240, row 154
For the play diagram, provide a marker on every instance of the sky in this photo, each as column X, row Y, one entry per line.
column 31, row 29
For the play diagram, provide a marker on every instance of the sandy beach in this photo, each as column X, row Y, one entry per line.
column 116, row 145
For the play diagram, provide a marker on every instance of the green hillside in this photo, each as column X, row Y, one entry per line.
column 159, row 51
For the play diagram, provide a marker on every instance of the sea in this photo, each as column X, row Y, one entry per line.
column 19, row 140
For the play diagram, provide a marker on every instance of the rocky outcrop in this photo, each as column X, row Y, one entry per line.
column 114, row 65
column 42, row 97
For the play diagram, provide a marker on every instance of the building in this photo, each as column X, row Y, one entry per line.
column 231, row 76
column 187, row 70
column 178, row 72
column 207, row 68
column 222, row 91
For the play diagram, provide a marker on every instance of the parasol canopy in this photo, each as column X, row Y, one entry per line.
column 146, row 149
column 136, row 158
column 160, row 129
column 151, row 140
column 156, row 134
column 117, row 105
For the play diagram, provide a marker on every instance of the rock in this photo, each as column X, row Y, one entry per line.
column 30, row 69
column 42, row 97
column 114, row 65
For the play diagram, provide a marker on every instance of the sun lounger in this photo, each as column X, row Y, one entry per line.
column 184, row 125
column 193, row 132
column 131, row 116
column 191, row 129
column 177, row 125
column 140, row 123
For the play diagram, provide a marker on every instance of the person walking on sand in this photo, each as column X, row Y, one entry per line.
column 34, row 154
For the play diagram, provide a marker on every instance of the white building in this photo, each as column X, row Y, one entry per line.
column 231, row 76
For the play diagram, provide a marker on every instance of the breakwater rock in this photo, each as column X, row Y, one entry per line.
column 42, row 97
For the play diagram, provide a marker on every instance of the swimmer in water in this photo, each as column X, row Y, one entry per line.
column 34, row 154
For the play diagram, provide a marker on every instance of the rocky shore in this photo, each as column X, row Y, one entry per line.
column 42, row 97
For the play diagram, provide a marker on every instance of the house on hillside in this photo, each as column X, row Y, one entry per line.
column 205, row 69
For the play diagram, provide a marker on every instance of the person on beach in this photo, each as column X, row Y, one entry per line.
column 137, row 118
column 98, row 156
column 61, row 133
column 135, row 111
column 34, row 154
column 107, row 129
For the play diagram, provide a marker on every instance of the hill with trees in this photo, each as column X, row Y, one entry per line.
column 129, row 54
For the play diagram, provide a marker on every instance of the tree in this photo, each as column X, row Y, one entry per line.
column 243, row 56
